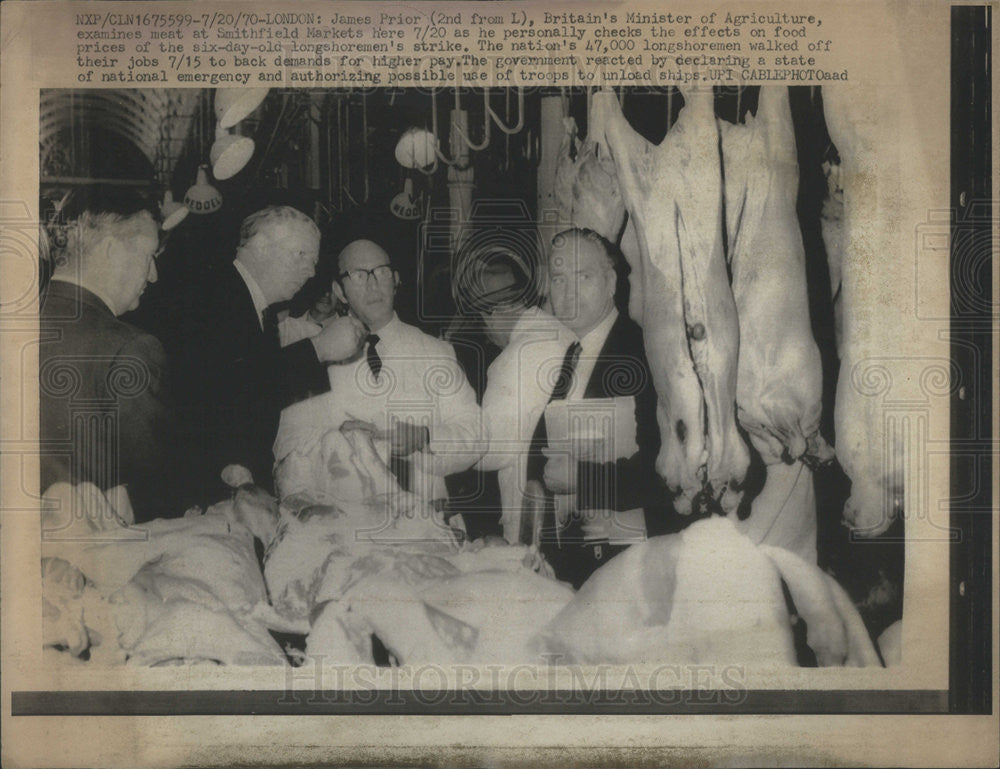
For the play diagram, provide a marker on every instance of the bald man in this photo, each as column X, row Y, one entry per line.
column 405, row 384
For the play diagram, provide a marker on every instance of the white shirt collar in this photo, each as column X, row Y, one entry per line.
column 256, row 295
column 390, row 330
column 592, row 342
column 590, row 349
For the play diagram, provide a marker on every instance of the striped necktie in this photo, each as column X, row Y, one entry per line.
column 374, row 361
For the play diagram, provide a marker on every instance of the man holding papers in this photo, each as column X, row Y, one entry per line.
column 595, row 449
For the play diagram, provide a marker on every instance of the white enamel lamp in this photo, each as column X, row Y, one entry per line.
column 416, row 148
column 229, row 153
column 234, row 104
column 171, row 211
column 203, row 198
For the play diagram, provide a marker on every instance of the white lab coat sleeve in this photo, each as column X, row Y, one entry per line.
column 500, row 410
column 458, row 435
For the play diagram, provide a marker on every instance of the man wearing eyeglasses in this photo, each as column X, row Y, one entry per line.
column 406, row 386
column 103, row 414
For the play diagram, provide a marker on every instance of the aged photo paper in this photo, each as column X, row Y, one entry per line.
column 772, row 492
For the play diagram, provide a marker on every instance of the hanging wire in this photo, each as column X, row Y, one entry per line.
column 274, row 134
column 506, row 136
column 364, row 140
column 347, row 144
column 486, row 123
column 364, row 134
column 490, row 117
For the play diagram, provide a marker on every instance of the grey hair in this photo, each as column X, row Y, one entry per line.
column 90, row 228
column 254, row 224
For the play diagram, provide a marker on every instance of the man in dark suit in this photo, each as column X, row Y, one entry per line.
column 601, row 468
column 231, row 376
column 102, row 411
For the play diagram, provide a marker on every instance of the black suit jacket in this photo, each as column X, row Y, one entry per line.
column 103, row 411
column 231, row 381
column 622, row 370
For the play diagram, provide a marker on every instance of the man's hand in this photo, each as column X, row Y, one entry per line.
column 488, row 540
column 405, row 438
column 560, row 472
column 358, row 424
column 340, row 339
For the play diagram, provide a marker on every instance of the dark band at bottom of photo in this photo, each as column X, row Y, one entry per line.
column 469, row 702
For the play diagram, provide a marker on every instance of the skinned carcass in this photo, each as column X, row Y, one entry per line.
column 663, row 601
column 477, row 607
column 706, row 595
column 869, row 443
column 170, row 591
column 348, row 573
column 323, row 534
column 832, row 227
column 780, row 382
column 589, row 196
column 673, row 193
column 586, row 185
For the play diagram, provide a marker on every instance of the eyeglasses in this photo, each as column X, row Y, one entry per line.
column 359, row 277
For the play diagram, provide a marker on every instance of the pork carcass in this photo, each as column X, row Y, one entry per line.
column 869, row 444
column 673, row 193
column 780, row 383
column 706, row 595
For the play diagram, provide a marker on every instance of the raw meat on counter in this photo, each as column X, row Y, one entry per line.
column 188, row 589
column 707, row 595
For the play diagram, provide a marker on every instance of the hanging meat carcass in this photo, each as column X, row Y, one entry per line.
column 832, row 227
column 869, row 444
column 588, row 195
column 780, row 383
column 586, row 186
column 673, row 193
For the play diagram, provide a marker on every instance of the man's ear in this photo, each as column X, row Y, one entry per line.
column 395, row 279
column 338, row 292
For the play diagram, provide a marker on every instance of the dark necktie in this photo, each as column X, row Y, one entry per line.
column 374, row 361
column 269, row 321
column 539, row 440
column 400, row 466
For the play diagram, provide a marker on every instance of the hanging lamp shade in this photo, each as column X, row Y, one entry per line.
column 203, row 198
column 404, row 205
column 172, row 212
column 234, row 104
column 229, row 153
column 416, row 148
